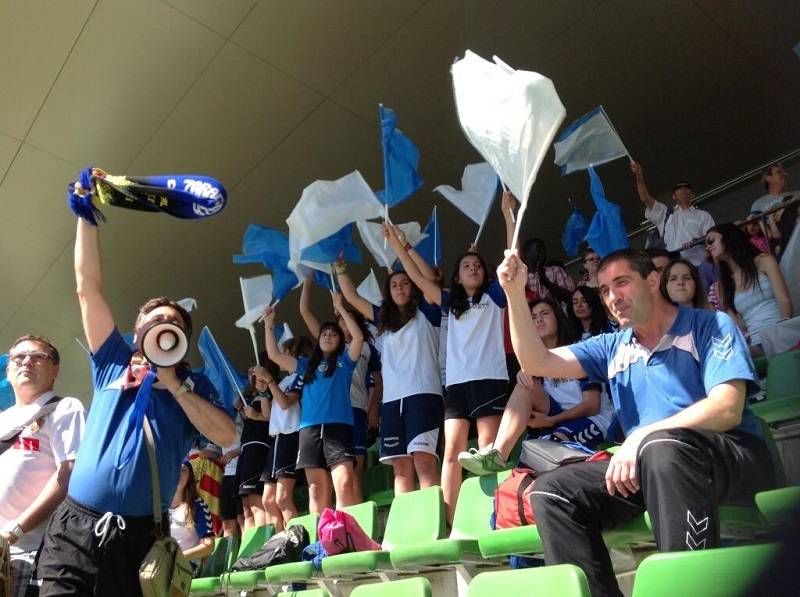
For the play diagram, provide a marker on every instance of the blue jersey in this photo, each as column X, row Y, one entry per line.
column 327, row 399
column 99, row 480
column 701, row 350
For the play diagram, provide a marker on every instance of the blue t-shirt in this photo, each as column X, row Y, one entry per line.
column 701, row 350
column 96, row 481
column 327, row 399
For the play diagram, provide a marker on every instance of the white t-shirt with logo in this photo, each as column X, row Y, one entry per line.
column 286, row 420
column 230, row 468
column 569, row 392
column 27, row 466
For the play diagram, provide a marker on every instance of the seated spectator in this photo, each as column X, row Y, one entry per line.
column 776, row 184
column 681, row 225
column 587, row 314
column 590, row 259
column 690, row 444
column 753, row 228
column 556, row 409
column 661, row 258
column 41, row 433
column 680, row 283
column 751, row 286
column 190, row 518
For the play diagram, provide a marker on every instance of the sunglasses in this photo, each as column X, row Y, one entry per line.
column 35, row 357
column 710, row 241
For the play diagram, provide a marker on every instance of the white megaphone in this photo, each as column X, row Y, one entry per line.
column 163, row 341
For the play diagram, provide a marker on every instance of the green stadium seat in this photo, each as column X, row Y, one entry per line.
column 783, row 389
column 222, row 558
column 415, row 517
column 762, row 366
column 366, row 514
column 214, row 564
column 408, row 587
column 252, row 540
column 778, row 505
column 564, row 580
column 725, row 571
column 471, row 519
column 310, row 522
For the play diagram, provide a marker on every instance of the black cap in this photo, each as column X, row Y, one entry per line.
column 681, row 184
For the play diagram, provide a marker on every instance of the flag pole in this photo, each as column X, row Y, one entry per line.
column 611, row 124
column 510, row 211
column 435, row 231
column 480, row 229
column 255, row 340
column 517, row 227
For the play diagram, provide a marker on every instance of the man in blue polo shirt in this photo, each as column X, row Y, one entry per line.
column 98, row 537
column 677, row 379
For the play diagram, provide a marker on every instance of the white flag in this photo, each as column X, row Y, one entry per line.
column 256, row 297
column 370, row 289
column 373, row 239
column 478, row 190
column 510, row 116
column 188, row 303
column 589, row 141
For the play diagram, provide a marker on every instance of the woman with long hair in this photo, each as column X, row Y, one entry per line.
column 751, row 286
column 411, row 410
column 368, row 364
column 587, row 314
column 190, row 518
column 554, row 409
column 476, row 369
column 325, row 449
column 681, row 284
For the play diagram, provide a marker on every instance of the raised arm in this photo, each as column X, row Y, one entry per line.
column 425, row 269
column 358, row 302
column 98, row 322
column 509, row 206
column 533, row 355
column 357, row 342
column 284, row 399
column 432, row 292
column 769, row 266
column 641, row 187
column 284, row 361
column 311, row 321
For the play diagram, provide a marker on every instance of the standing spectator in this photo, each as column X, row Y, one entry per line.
column 96, row 540
column 681, row 225
column 41, row 434
column 776, row 184
column 230, row 504
column 660, row 258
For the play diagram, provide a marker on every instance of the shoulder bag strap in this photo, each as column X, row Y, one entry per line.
column 46, row 409
column 151, row 457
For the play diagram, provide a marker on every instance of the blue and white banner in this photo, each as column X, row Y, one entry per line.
column 589, row 141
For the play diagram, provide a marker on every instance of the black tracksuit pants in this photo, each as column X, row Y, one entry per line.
column 684, row 475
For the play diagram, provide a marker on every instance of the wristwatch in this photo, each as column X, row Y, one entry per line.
column 13, row 528
column 186, row 386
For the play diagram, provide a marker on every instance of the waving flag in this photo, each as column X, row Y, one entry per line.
column 186, row 196
column 607, row 231
column 370, row 289
column 256, row 297
column 283, row 333
column 589, row 141
column 400, row 161
column 510, row 116
column 270, row 248
column 188, row 303
column 328, row 249
column 219, row 370
column 574, row 232
column 430, row 246
column 478, row 189
column 373, row 239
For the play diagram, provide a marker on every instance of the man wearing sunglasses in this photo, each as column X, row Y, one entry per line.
column 40, row 434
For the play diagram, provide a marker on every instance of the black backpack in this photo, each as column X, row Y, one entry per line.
column 283, row 548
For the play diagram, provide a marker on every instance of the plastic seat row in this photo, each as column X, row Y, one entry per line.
column 782, row 401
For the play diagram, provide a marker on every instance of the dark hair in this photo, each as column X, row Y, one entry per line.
column 39, row 340
column 654, row 252
column 162, row 301
column 299, row 346
column 190, row 492
column 541, row 252
column 459, row 301
column 390, row 317
column 361, row 322
column 599, row 317
column 566, row 334
column 639, row 261
column 742, row 252
column 317, row 357
column 699, row 300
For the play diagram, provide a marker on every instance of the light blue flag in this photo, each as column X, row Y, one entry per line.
column 400, row 161
column 574, row 232
column 607, row 231
column 7, row 398
column 328, row 249
column 219, row 370
column 270, row 248
column 589, row 141
column 430, row 247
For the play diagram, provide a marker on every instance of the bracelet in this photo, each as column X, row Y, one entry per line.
column 340, row 267
column 407, row 247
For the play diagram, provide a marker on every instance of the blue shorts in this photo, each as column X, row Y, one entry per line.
column 359, row 431
column 582, row 430
column 410, row 425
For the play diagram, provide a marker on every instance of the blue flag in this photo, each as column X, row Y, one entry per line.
column 270, row 248
column 574, row 232
column 328, row 249
column 219, row 370
column 7, row 398
column 430, row 247
column 589, row 141
column 607, row 231
column 400, row 161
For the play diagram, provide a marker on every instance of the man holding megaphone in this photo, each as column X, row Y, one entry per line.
column 98, row 537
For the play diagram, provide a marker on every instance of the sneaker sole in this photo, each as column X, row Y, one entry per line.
column 473, row 466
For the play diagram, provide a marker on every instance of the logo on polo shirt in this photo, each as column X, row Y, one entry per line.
column 27, row 444
column 722, row 347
